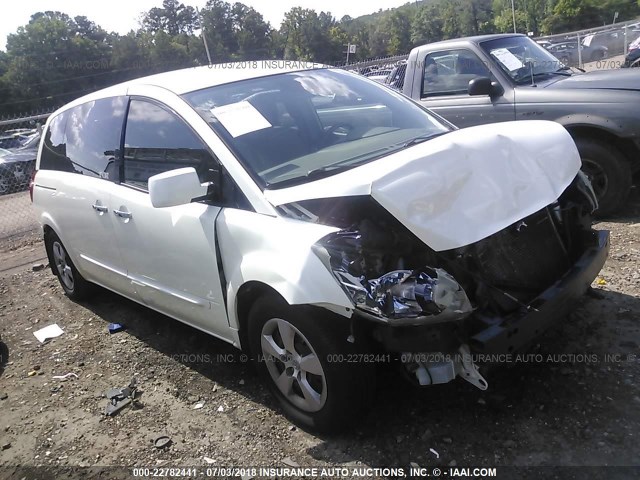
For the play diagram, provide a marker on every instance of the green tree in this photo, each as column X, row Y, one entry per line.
column 173, row 18
column 252, row 33
column 427, row 26
column 399, row 26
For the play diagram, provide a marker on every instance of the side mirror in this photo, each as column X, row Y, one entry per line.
column 484, row 86
column 175, row 187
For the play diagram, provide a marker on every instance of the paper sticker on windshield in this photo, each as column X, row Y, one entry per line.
column 508, row 59
column 240, row 118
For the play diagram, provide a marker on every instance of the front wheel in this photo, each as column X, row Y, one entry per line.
column 310, row 367
column 609, row 172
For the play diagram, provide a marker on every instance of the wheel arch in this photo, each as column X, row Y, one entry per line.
column 606, row 135
column 246, row 297
column 48, row 230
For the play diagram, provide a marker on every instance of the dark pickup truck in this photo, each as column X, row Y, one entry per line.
column 498, row 78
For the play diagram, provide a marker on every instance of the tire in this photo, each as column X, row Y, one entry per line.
column 338, row 392
column 609, row 172
column 597, row 55
column 74, row 285
column 6, row 181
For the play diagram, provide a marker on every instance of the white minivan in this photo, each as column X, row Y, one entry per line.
column 320, row 221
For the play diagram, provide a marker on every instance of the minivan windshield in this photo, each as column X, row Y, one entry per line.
column 523, row 59
column 294, row 127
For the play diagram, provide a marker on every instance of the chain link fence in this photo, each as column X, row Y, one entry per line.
column 600, row 48
column 19, row 140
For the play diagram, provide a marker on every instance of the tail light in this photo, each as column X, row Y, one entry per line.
column 31, row 183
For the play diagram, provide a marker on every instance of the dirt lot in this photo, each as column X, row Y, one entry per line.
column 582, row 408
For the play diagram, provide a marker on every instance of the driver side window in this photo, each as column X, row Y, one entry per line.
column 156, row 141
column 449, row 72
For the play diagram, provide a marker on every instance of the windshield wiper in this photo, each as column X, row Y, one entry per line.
column 528, row 77
column 316, row 173
column 421, row 138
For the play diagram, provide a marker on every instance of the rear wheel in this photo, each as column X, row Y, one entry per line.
column 609, row 172
column 73, row 284
column 303, row 354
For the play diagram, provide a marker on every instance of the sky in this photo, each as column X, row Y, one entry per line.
column 123, row 15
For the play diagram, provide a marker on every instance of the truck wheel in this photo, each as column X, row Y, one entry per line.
column 609, row 172
column 303, row 355
column 73, row 284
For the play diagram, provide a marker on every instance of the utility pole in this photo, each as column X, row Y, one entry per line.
column 350, row 49
column 204, row 37
column 513, row 11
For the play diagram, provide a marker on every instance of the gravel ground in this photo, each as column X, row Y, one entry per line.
column 577, row 402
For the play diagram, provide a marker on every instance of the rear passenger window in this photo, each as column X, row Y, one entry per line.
column 54, row 150
column 93, row 136
column 157, row 140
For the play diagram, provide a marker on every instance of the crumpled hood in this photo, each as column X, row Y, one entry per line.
column 622, row 79
column 461, row 187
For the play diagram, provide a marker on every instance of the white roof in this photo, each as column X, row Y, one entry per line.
column 195, row 78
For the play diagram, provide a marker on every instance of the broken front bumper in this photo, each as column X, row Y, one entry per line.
column 500, row 334
column 514, row 332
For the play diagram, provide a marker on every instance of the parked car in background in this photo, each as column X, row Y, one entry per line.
column 614, row 41
column 378, row 75
column 395, row 79
column 544, row 43
column 498, row 78
column 17, row 164
column 320, row 221
column 633, row 57
column 567, row 52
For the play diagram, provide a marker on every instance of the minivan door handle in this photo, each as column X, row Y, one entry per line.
column 121, row 214
column 99, row 208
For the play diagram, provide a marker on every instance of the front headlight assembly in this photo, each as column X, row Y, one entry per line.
column 424, row 295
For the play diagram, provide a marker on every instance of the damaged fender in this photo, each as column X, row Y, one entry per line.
column 276, row 251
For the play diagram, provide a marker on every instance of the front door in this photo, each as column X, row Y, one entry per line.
column 445, row 86
column 170, row 253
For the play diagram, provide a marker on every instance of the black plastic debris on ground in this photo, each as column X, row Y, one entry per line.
column 120, row 398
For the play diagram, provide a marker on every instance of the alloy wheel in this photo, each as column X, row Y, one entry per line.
column 62, row 265
column 293, row 364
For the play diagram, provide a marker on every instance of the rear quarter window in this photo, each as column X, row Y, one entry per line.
column 93, row 136
column 54, row 149
column 86, row 139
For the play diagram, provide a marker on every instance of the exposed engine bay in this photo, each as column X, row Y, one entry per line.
column 394, row 278
column 390, row 273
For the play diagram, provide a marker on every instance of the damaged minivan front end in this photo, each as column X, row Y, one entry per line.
column 444, row 261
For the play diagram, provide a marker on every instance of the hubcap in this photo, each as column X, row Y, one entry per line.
column 64, row 269
column 597, row 177
column 293, row 365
